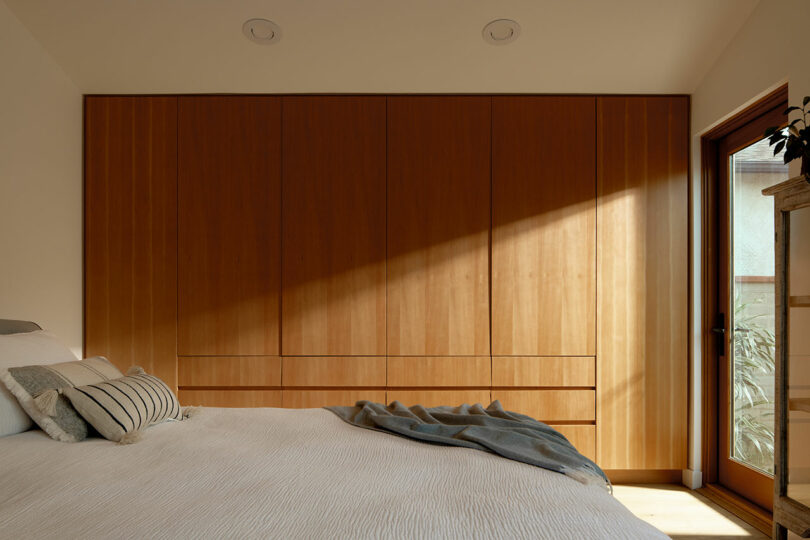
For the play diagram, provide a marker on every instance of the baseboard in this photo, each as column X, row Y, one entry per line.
column 692, row 479
column 644, row 476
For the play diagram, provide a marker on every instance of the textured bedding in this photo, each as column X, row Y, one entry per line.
column 281, row 473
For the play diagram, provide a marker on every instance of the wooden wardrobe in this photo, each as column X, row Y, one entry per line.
column 302, row 251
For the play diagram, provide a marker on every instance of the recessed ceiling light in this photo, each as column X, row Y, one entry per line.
column 261, row 31
column 501, row 32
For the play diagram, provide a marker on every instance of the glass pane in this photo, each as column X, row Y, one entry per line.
column 798, row 350
column 752, row 321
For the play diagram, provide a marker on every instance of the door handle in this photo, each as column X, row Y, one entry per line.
column 720, row 330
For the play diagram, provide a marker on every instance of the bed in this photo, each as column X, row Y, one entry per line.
column 285, row 473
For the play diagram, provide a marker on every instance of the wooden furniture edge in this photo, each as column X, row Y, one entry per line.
column 792, row 515
column 747, row 511
column 788, row 185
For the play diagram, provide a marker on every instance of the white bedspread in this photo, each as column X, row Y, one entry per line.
column 281, row 473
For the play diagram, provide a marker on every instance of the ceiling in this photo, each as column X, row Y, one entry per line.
column 384, row 46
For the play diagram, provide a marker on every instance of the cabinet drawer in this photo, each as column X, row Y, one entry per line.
column 230, row 398
column 229, row 370
column 334, row 371
column 436, row 398
column 434, row 371
column 309, row 399
column 544, row 371
column 550, row 406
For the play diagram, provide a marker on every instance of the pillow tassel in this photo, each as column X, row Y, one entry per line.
column 190, row 411
column 46, row 401
column 135, row 370
column 131, row 437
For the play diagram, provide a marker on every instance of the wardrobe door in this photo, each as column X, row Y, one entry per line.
column 438, row 225
column 130, row 232
column 642, row 262
column 229, row 225
column 543, row 226
column 333, row 207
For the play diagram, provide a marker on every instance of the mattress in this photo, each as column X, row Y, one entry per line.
column 284, row 473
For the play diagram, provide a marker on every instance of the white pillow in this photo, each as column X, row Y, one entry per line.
column 26, row 349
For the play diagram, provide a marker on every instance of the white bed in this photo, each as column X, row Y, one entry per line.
column 281, row 473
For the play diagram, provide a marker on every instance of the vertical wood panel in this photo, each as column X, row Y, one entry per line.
column 438, row 225
column 334, row 226
column 130, row 232
column 643, row 272
column 544, row 226
column 229, row 221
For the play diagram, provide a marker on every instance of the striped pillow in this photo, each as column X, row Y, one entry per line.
column 37, row 390
column 121, row 408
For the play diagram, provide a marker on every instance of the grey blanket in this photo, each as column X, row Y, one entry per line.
column 508, row 434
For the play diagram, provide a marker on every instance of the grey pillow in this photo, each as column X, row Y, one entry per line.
column 38, row 388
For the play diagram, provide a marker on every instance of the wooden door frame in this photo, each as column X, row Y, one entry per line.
column 711, row 229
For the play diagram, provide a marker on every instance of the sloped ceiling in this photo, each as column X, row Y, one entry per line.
column 396, row 46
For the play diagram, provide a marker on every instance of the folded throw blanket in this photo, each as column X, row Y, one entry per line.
column 508, row 434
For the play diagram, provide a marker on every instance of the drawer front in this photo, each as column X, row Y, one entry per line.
column 310, row 399
column 437, row 371
column 537, row 371
column 229, row 371
column 334, row 371
column 550, row 406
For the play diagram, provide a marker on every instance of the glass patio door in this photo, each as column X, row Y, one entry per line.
column 746, row 298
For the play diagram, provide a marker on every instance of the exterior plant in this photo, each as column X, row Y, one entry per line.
column 795, row 140
column 754, row 359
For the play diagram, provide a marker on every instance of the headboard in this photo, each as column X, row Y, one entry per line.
column 9, row 326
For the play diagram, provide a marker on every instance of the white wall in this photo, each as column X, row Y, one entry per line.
column 40, row 186
column 769, row 50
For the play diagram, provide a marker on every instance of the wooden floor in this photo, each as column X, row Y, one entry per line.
column 682, row 513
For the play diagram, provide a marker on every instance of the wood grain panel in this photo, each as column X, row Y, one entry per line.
column 642, row 266
column 550, row 405
column 334, row 371
column 130, row 232
column 229, row 371
column 439, row 371
column 543, row 371
column 583, row 437
column 334, row 226
column 310, row 399
column 544, row 226
column 438, row 225
column 436, row 398
column 230, row 398
column 229, row 225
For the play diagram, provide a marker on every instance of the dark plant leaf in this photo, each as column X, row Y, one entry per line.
column 778, row 147
column 806, row 100
column 791, row 109
column 770, row 131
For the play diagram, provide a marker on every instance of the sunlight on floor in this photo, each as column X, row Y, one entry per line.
column 682, row 513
